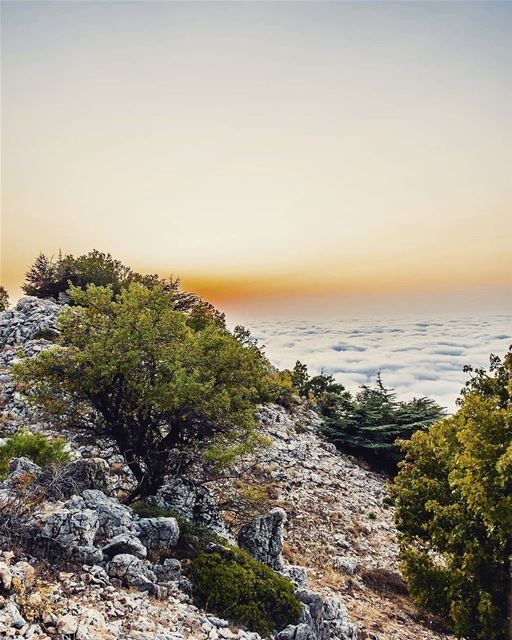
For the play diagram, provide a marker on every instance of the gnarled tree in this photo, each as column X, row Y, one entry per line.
column 163, row 386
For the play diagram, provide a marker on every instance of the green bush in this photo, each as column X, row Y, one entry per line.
column 49, row 277
column 46, row 334
column 227, row 581
column 453, row 499
column 34, row 446
column 231, row 584
column 146, row 510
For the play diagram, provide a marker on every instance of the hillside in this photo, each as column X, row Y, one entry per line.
column 76, row 564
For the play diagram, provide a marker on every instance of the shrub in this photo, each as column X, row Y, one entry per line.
column 46, row 334
column 232, row 584
column 226, row 580
column 35, row 446
column 146, row 510
column 283, row 390
column 453, row 499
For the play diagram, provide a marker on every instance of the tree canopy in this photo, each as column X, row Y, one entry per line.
column 368, row 423
column 50, row 278
column 165, row 387
column 4, row 298
column 454, row 509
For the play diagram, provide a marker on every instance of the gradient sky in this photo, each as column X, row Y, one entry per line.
column 271, row 154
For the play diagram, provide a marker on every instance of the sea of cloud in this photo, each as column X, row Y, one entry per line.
column 416, row 356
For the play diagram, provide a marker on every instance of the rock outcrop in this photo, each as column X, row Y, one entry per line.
column 30, row 318
column 263, row 538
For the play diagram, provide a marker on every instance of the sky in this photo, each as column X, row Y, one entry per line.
column 282, row 158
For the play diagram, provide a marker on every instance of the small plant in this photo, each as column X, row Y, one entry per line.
column 230, row 583
column 35, row 446
column 36, row 601
column 146, row 510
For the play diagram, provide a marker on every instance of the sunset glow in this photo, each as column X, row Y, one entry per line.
column 264, row 151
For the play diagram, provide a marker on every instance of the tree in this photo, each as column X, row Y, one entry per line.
column 49, row 278
column 369, row 424
column 41, row 278
column 453, row 499
column 4, row 298
column 133, row 369
column 300, row 376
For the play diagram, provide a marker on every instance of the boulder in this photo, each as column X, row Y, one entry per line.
column 132, row 572
column 263, row 538
column 114, row 518
column 297, row 575
column 68, row 625
column 323, row 618
column 31, row 318
column 11, row 616
column 24, row 572
column 5, row 576
column 169, row 571
column 19, row 466
column 346, row 564
column 193, row 502
column 72, row 527
column 158, row 533
column 125, row 543
column 88, row 473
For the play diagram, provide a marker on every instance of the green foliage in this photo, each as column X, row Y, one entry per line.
column 4, row 298
column 227, row 581
column 165, row 390
column 283, row 390
column 453, row 498
column 369, row 423
column 48, row 277
column 45, row 334
column 34, row 446
column 232, row 584
column 147, row 510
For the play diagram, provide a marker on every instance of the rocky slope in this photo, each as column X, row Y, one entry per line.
column 81, row 565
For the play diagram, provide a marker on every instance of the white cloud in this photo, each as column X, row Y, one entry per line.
column 416, row 357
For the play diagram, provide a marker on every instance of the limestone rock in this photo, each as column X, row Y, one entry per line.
column 30, row 318
column 263, row 538
column 24, row 572
column 345, row 564
column 193, row 502
column 125, row 543
column 68, row 625
column 158, row 533
column 114, row 518
column 131, row 571
column 76, row 527
column 169, row 571
column 88, row 473
column 297, row 575
column 5, row 576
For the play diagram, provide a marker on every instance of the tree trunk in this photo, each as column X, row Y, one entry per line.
column 152, row 479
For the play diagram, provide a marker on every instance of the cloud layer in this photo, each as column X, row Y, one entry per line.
column 415, row 356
